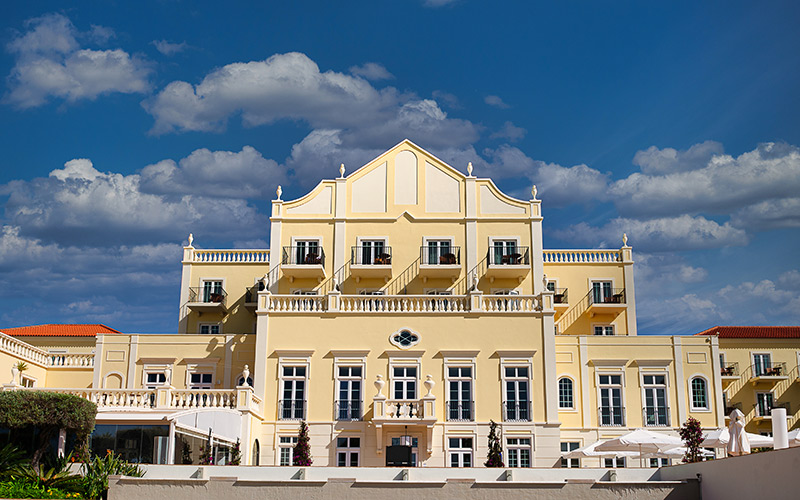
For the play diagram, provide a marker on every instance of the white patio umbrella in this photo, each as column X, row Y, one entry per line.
column 676, row 453
column 642, row 441
column 738, row 443
column 590, row 451
column 719, row 438
column 794, row 438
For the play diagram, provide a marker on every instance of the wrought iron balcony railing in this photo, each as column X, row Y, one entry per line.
column 371, row 256
column 729, row 370
column 508, row 255
column 460, row 411
column 208, row 295
column 655, row 416
column 348, row 410
column 611, row 416
column 607, row 296
column 517, row 411
column 438, row 255
column 292, row 409
column 303, row 255
column 769, row 369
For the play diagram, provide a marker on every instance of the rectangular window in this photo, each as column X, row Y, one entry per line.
column 212, row 291
column 518, row 404
column 656, row 411
column 504, row 252
column 307, row 252
column 438, row 252
column 519, row 452
column 570, row 463
column 209, row 328
column 659, row 462
column 155, row 379
column 294, row 393
column 286, row 450
column 404, row 379
column 460, row 452
column 372, row 252
column 348, row 450
column 614, row 463
column 601, row 292
column 762, row 363
column 611, row 412
column 764, row 403
column 26, row 381
column 201, row 380
column 348, row 405
column 604, row 329
column 459, row 403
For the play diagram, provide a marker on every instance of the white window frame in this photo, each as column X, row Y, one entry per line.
column 448, row 364
column 426, row 239
column 494, row 239
column 692, row 407
column 292, row 363
column 204, row 279
column 416, row 380
column 593, row 280
column 460, row 451
column 148, row 369
column 505, row 291
column 774, row 399
column 201, row 367
column 658, row 373
column 200, row 326
column 27, row 380
column 361, row 239
column 350, row 363
column 570, row 463
column 615, row 463
column 660, row 462
column 604, row 325
column 349, row 450
column 401, row 346
column 621, row 373
column 753, row 355
column 519, row 446
column 513, row 361
column 572, row 408
column 282, row 446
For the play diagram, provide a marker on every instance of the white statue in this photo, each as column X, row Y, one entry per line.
column 279, row 192
column 341, row 170
column 168, row 376
column 246, row 375
column 624, row 239
column 191, row 239
column 534, row 191
column 469, row 169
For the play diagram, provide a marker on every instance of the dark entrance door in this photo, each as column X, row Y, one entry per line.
column 398, row 456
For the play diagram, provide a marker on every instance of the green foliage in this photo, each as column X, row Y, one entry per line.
column 186, row 453
column 495, row 455
column 11, row 460
column 97, row 470
column 21, row 366
column 301, row 455
column 692, row 435
column 20, row 488
column 47, row 409
column 236, row 454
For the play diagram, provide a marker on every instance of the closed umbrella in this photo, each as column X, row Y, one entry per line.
column 794, row 438
column 738, row 443
column 719, row 438
column 590, row 451
column 642, row 441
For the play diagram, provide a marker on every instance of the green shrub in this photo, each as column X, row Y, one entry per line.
column 11, row 460
column 20, row 488
column 97, row 470
column 54, row 475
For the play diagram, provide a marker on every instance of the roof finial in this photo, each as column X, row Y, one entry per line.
column 469, row 169
column 534, row 191
column 341, row 170
column 624, row 239
column 279, row 192
column 191, row 239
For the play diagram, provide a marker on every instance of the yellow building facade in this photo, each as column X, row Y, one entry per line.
column 405, row 305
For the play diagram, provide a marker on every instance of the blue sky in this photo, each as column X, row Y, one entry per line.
column 125, row 126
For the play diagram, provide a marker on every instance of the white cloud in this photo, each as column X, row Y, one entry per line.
column 216, row 174
column 664, row 234
column 169, row 48
column 50, row 63
column 372, row 71
column 496, row 101
column 509, row 131
column 790, row 279
column 770, row 214
column 446, row 98
column 655, row 161
column 79, row 205
column 769, row 172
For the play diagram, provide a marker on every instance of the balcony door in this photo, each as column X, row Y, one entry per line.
column 459, row 404
column 305, row 248
column 436, row 249
column 349, row 393
column 294, row 392
column 370, row 251
column 502, row 250
column 761, row 363
column 517, row 394
column 655, row 400
column 601, row 291
column 212, row 291
column 611, row 400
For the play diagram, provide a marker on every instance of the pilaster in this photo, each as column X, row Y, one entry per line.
column 549, row 357
column 97, row 370
column 680, row 381
column 339, row 227
column 133, row 350
column 537, row 246
column 471, row 236
column 717, row 368
column 262, row 335
column 630, row 295
column 186, row 282
column 275, row 247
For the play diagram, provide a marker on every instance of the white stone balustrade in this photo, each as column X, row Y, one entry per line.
column 297, row 303
column 581, row 256
column 203, row 398
column 403, row 303
column 511, row 303
column 31, row 354
column 71, row 360
column 230, row 256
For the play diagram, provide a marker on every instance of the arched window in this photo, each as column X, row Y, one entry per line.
column 256, row 452
column 565, row 393
column 699, row 393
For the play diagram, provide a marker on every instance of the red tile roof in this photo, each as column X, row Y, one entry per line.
column 58, row 330
column 754, row 332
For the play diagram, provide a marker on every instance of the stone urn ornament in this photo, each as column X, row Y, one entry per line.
column 429, row 383
column 379, row 383
column 246, row 375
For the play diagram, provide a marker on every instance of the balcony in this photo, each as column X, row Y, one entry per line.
column 729, row 372
column 303, row 261
column 460, row 411
column 205, row 299
column 763, row 410
column 768, row 373
column 560, row 301
column 517, row 411
column 347, row 410
column 607, row 301
column 611, row 416
column 654, row 416
column 439, row 262
column 371, row 262
column 251, row 296
column 508, row 262
column 291, row 409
